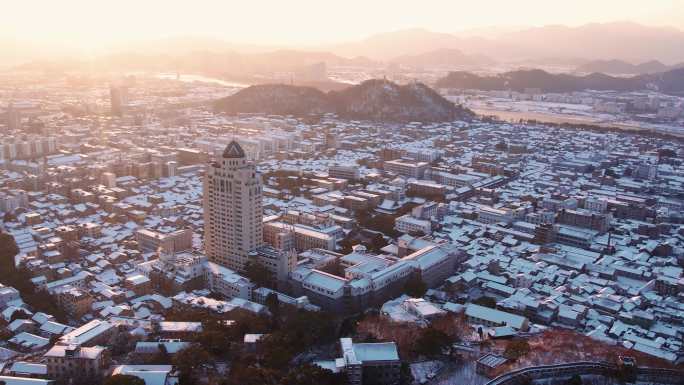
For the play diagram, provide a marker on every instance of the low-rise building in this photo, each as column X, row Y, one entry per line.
column 226, row 282
column 344, row 172
column 7, row 294
column 151, row 374
column 74, row 301
column 95, row 332
column 370, row 363
column 139, row 284
column 171, row 242
column 407, row 168
column 408, row 224
column 490, row 364
column 489, row 317
column 66, row 362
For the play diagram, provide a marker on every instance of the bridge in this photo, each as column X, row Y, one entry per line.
column 601, row 368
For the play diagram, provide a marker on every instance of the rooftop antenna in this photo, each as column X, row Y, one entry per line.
column 235, row 133
column 609, row 247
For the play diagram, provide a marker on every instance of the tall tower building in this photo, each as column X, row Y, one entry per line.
column 233, row 212
column 118, row 97
column 13, row 118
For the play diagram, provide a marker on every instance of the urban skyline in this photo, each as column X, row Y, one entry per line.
column 308, row 193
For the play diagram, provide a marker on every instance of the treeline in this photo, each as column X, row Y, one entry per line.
column 280, row 356
column 596, row 128
column 20, row 279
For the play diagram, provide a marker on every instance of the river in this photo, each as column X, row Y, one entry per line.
column 515, row 116
column 190, row 78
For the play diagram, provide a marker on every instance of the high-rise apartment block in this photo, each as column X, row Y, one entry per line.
column 118, row 97
column 232, row 209
column 13, row 118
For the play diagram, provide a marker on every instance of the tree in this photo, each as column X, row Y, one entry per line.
column 415, row 287
column 299, row 330
column 216, row 341
column 377, row 222
column 377, row 243
column 8, row 250
column 610, row 172
column 405, row 375
column 416, row 233
column 189, row 361
column 486, row 302
column 121, row 342
column 432, row 342
column 162, row 356
column 258, row 273
column 40, row 299
column 272, row 303
column 312, row 375
column 501, row 146
column 667, row 153
column 277, row 357
column 275, row 363
column 9, row 217
column 516, row 349
column 123, row 379
column 574, row 380
column 246, row 322
column 19, row 314
column 335, row 268
column 251, row 375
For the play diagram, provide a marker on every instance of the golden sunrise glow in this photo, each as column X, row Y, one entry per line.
column 93, row 24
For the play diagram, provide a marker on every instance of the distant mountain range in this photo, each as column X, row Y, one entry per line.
column 297, row 67
column 389, row 45
column 443, row 58
column 621, row 67
column 377, row 100
column 621, row 41
column 229, row 61
column 671, row 82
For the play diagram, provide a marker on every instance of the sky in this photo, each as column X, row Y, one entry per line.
column 93, row 23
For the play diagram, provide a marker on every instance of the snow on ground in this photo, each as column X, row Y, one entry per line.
column 460, row 374
column 424, row 371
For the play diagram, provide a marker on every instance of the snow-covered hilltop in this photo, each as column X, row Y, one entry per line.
column 375, row 99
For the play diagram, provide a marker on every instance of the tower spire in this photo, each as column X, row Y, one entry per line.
column 233, row 150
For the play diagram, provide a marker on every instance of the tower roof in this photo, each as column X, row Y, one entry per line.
column 233, row 150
